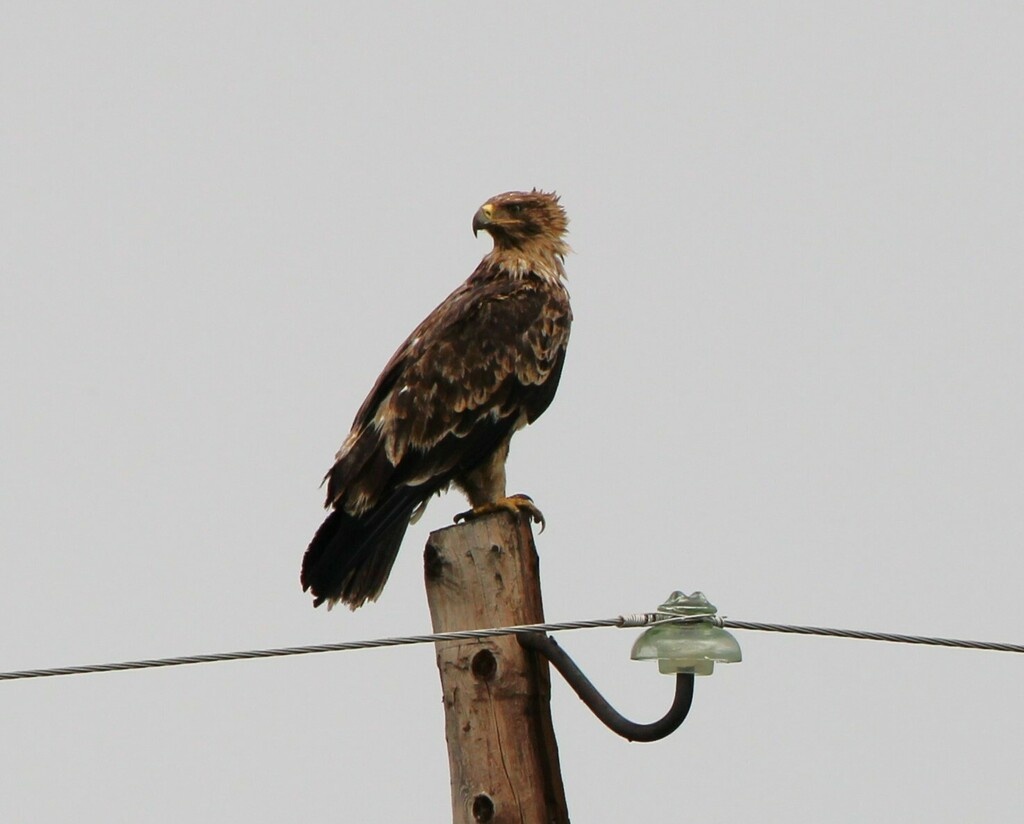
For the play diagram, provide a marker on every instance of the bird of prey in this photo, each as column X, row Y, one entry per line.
column 481, row 366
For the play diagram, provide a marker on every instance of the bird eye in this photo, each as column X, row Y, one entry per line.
column 515, row 208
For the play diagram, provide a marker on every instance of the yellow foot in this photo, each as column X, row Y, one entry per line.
column 514, row 504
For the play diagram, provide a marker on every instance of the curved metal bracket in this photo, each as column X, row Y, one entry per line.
column 609, row 716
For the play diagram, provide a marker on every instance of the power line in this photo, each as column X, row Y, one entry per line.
column 991, row 646
column 631, row 620
column 308, row 650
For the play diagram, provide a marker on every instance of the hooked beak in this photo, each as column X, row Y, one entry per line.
column 482, row 218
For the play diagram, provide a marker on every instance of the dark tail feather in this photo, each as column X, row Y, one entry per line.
column 350, row 559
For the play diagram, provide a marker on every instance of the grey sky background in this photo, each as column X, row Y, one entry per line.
column 794, row 383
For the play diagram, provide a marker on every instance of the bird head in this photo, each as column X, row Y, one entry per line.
column 520, row 219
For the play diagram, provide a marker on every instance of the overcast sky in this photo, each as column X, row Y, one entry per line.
column 795, row 383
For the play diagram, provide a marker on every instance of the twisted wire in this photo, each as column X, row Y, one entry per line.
column 282, row 652
column 829, row 632
column 630, row 620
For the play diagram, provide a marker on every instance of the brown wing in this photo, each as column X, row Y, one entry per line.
column 453, row 391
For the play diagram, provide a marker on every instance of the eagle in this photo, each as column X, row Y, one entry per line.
column 484, row 364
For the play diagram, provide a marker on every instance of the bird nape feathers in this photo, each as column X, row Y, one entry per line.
column 481, row 366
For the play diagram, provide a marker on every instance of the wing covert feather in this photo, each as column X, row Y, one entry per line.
column 490, row 352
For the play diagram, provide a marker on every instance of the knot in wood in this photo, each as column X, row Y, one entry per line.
column 484, row 665
column 433, row 563
column 483, row 808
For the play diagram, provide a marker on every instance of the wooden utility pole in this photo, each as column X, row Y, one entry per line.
column 501, row 745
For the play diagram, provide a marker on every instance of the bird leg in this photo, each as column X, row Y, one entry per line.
column 513, row 503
